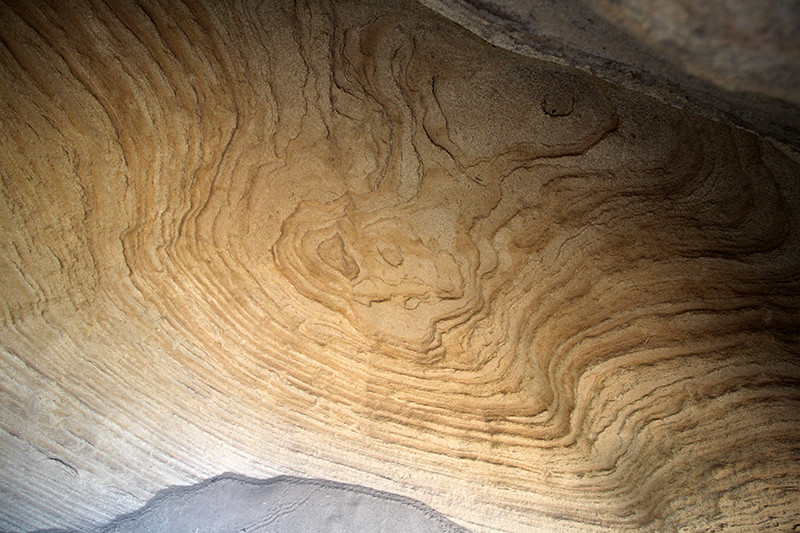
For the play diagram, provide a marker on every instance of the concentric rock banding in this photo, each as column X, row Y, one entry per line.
column 351, row 241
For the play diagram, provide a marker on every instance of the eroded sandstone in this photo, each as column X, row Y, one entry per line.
column 352, row 241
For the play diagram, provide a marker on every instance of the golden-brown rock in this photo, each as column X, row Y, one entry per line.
column 351, row 241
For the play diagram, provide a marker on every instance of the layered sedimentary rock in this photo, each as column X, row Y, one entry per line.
column 352, row 241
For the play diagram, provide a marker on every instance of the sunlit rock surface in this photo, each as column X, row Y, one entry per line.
column 353, row 241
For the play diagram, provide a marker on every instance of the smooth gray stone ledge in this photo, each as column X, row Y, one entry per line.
column 232, row 503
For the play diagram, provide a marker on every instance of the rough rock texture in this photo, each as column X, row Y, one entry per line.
column 737, row 61
column 353, row 241
column 283, row 504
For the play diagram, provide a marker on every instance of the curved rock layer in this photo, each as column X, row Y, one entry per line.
column 352, row 241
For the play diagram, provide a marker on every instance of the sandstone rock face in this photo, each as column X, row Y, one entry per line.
column 353, row 241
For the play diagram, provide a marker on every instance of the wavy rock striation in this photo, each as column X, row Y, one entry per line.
column 352, row 241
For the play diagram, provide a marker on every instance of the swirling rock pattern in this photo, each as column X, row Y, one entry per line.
column 351, row 241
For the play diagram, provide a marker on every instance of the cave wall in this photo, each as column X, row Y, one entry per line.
column 354, row 241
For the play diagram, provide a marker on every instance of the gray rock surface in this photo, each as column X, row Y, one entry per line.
column 231, row 503
column 735, row 61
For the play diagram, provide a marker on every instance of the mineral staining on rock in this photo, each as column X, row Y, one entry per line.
column 352, row 241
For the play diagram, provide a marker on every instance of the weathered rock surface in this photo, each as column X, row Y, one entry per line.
column 282, row 504
column 353, row 241
column 736, row 61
